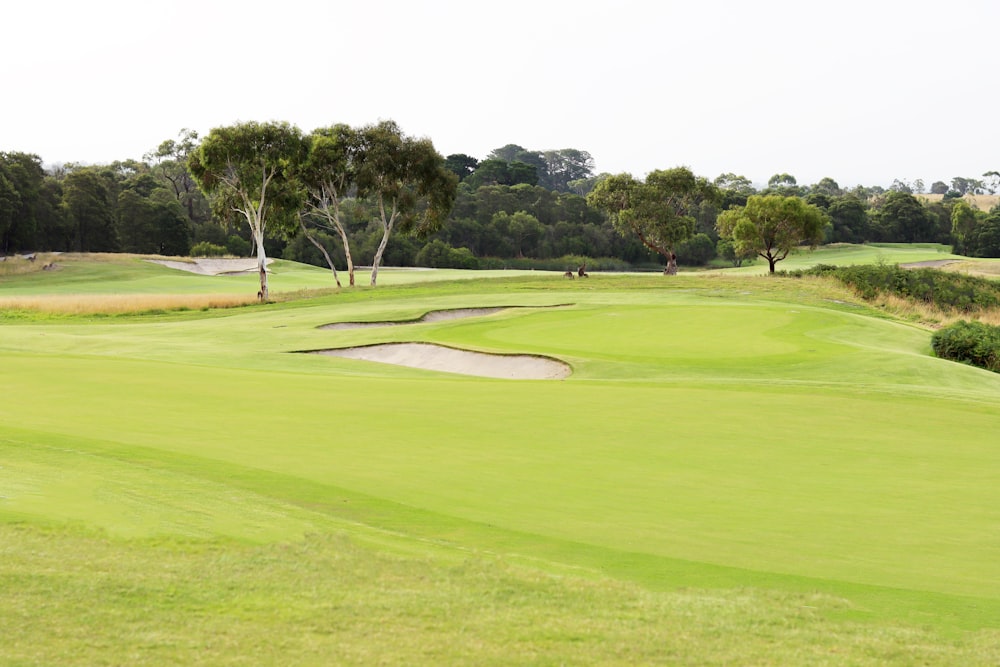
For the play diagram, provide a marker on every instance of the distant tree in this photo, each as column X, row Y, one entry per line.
column 89, row 200
column 827, row 186
column 461, row 165
column 771, row 226
column 939, row 188
column 659, row 210
column 247, row 170
column 903, row 219
column 988, row 236
column 21, row 181
column 734, row 189
column 850, row 220
column 521, row 228
column 967, row 186
column 406, row 181
column 170, row 162
column 565, row 166
column 991, row 181
column 901, row 186
column 965, row 222
column 697, row 250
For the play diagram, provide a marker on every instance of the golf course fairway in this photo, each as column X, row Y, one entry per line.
column 739, row 469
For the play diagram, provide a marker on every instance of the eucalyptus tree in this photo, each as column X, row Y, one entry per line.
column 771, row 226
column 405, row 180
column 660, row 211
column 327, row 176
column 246, row 169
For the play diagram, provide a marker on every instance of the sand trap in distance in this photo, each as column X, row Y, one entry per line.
column 464, row 362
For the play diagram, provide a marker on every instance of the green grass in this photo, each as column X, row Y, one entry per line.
column 741, row 470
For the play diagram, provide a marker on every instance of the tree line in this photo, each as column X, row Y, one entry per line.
column 514, row 207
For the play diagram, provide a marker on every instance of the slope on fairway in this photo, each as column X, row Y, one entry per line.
column 703, row 437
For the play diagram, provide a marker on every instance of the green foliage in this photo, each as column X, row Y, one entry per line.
column 771, row 226
column 696, row 251
column 943, row 289
column 206, row 249
column 659, row 211
column 439, row 255
column 974, row 343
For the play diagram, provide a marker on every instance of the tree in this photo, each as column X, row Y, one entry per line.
column 245, row 169
column 771, row 225
column 964, row 227
column 903, row 219
column 21, row 179
column 405, row 179
column 939, row 187
column 567, row 165
column 89, row 202
column 327, row 175
column 461, row 165
column 659, row 210
column 170, row 162
column 827, row 186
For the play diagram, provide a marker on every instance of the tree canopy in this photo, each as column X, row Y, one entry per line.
column 659, row 211
column 246, row 170
column 771, row 225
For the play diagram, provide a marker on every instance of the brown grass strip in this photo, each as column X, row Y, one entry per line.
column 115, row 304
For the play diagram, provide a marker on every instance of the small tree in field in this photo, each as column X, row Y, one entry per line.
column 771, row 225
column 659, row 210
column 246, row 170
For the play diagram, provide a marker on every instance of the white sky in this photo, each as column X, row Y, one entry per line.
column 861, row 91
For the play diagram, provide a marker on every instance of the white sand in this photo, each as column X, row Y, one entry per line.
column 464, row 362
column 432, row 316
column 213, row 266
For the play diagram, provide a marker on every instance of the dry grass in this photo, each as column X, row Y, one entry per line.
column 981, row 202
column 113, row 304
column 983, row 268
column 16, row 265
column 929, row 316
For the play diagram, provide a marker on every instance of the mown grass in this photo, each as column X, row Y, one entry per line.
column 741, row 470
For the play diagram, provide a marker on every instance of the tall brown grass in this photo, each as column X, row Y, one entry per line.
column 927, row 315
column 115, row 304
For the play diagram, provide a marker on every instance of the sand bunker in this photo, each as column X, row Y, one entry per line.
column 432, row 316
column 450, row 360
column 213, row 266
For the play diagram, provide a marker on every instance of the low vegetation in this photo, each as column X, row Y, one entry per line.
column 975, row 343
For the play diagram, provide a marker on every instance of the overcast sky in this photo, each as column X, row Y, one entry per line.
column 863, row 92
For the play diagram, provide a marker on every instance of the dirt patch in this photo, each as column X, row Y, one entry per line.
column 451, row 360
column 432, row 316
column 213, row 266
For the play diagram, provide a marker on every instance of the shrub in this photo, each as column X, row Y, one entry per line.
column 974, row 343
column 238, row 246
column 943, row 289
column 206, row 249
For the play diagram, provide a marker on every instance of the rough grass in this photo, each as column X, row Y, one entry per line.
column 116, row 304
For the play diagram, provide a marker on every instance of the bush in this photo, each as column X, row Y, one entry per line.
column 943, row 289
column 439, row 255
column 206, row 249
column 974, row 343
column 696, row 251
column 238, row 246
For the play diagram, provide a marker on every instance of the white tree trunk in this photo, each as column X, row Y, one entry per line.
column 387, row 224
column 258, row 235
